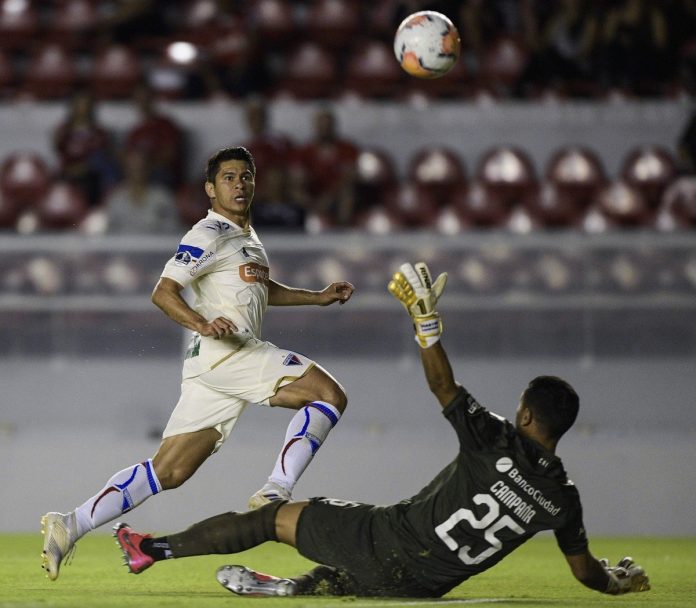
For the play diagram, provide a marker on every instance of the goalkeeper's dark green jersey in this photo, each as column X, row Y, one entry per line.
column 499, row 491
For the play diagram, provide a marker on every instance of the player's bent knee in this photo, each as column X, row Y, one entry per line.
column 174, row 477
column 336, row 396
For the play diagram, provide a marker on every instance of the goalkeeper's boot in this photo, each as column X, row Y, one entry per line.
column 129, row 541
column 60, row 535
column 245, row 581
column 269, row 493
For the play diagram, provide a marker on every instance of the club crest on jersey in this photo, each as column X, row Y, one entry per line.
column 292, row 359
column 185, row 254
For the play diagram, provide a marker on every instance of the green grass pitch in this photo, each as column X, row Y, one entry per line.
column 535, row 575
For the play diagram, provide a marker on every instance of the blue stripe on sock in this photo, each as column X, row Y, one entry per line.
column 326, row 411
column 121, row 486
column 151, row 477
column 303, row 430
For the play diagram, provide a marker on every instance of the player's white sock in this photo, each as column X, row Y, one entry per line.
column 124, row 491
column 306, row 432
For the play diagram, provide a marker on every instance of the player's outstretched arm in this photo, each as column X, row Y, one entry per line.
column 412, row 286
column 282, row 295
column 167, row 296
column 597, row 574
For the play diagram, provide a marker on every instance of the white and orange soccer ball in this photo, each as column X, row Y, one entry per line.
column 427, row 44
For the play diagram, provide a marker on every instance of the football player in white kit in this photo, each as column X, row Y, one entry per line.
column 226, row 366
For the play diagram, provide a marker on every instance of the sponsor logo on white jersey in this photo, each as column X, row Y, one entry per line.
column 254, row 273
column 203, row 261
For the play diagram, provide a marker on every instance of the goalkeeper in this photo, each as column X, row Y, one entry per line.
column 504, row 485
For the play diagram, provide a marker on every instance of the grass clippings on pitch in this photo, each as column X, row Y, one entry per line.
column 535, row 575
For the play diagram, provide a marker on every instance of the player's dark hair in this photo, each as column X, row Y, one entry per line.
column 553, row 402
column 234, row 153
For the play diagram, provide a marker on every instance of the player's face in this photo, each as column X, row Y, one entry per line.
column 232, row 191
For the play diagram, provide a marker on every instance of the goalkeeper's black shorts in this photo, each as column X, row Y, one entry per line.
column 349, row 537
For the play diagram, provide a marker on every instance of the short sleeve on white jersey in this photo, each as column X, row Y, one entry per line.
column 195, row 256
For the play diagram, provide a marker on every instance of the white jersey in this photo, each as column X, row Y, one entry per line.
column 227, row 269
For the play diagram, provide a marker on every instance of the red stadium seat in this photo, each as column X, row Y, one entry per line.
column 554, row 207
column 619, row 205
column 115, row 73
column 478, row 207
column 678, row 207
column 412, row 206
column 380, row 19
column 274, row 21
column 52, row 73
column 8, row 76
column 371, row 71
column 63, row 207
column 73, row 24
column 24, row 178
column 310, row 72
column 508, row 174
column 380, row 220
column 9, row 212
column 333, row 23
column 198, row 15
column 318, row 223
column 576, row 174
column 502, row 64
column 232, row 45
column 20, row 24
column 650, row 169
column 439, row 171
column 376, row 177
column 202, row 22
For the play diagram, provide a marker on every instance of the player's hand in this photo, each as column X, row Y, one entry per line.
column 414, row 288
column 217, row 328
column 625, row 577
column 336, row 292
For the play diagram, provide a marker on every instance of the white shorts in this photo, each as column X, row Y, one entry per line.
column 216, row 398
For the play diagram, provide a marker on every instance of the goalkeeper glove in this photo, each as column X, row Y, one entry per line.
column 625, row 577
column 412, row 286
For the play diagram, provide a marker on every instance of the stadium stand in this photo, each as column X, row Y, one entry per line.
column 24, row 178
column 52, row 73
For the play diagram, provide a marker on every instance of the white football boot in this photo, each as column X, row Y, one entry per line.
column 245, row 581
column 269, row 493
column 60, row 534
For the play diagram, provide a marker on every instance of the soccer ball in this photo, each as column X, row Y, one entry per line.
column 427, row 44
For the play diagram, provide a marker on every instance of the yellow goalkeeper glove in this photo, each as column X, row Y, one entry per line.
column 413, row 287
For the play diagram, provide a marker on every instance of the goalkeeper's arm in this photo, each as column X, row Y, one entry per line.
column 413, row 287
column 596, row 574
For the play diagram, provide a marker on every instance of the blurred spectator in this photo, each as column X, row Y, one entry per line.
column 159, row 138
column 481, row 22
column 686, row 146
column 325, row 171
column 137, row 205
column 563, row 51
column 635, row 48
column 275, row 209
column 129, row 21
column 84, row 149
column 271, row 150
